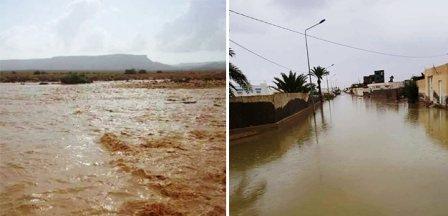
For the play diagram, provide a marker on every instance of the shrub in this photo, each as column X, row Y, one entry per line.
column 328, row 96
column 142, row 71
column 130, row 71
column 74, row 78
column 159, row 71
column 39, row 72
column 181, row 80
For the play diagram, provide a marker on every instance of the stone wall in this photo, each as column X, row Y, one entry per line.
column 265, row 109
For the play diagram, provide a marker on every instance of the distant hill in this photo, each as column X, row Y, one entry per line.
column 102, row 63
column 202, row 66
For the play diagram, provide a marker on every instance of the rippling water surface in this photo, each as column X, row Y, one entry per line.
column 100, row 149
column 354, row 157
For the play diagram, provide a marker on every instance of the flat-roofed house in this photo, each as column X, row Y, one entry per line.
column 434, row 87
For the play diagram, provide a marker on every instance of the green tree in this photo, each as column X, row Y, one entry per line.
column 237, row 76
column 319, row 72
column 291, row 83
column 411, row 91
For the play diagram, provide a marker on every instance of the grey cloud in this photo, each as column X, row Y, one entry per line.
column 299, row 4
column 408, row 27
column 201, row 28
column 139, row 43
column 78, row 13
column 299, row 7
column 193, row 32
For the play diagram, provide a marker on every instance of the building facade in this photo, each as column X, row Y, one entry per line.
column 376, row 77
column 434, row 87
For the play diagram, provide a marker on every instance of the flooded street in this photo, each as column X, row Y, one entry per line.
column 355, row 157
column 107, row 150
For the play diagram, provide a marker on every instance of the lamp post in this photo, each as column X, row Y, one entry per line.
column 308, row 56
column 328, row 90
column 332, row 83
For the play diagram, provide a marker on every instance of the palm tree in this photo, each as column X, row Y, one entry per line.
column 319, row 72
column 291, row 83
column 237, row 76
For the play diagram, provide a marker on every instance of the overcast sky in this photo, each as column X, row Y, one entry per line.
column 406, row 27
column 171, row 31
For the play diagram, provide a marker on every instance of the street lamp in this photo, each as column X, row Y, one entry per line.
column 328, row 90
column 308, row 56
column 333, row 81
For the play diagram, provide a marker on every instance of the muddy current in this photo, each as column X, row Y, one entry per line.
column 101, row 149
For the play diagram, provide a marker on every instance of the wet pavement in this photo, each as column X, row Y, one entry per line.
column 355, row 156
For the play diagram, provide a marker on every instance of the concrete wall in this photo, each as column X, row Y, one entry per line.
column 422, row 86
column 390, row 94
column 388, row 85
column 389, row 90
column 248, row 111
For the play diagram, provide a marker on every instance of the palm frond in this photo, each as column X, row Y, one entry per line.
column 292, row 82
column 237, row 76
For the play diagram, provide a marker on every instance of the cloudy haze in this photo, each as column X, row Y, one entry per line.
column 405, row 27
column 167, row 31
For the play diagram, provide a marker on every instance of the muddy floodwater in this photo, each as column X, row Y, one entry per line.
column 354, row 157
column 102, row 149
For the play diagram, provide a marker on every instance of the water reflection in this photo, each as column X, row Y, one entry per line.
column 246, row 193
column 270, row 145
column 265, row 149
column 433, row 120
column 355, row 156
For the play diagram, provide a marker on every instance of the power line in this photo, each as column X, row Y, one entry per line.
column 260, row 56
column 333, row 42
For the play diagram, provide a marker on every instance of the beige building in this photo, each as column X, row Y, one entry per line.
column 434, row 87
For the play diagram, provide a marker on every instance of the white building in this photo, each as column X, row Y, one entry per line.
column 383, row 86
column 359, row 91
column 261, row 89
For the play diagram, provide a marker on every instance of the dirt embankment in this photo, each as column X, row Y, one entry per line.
column 56, row 76
column 174, row 84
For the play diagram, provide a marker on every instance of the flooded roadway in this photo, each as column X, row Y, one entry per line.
column 356, row 157
column 99, row 149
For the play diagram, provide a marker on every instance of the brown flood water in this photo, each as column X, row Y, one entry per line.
column 356, row 157
column 104, row 150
